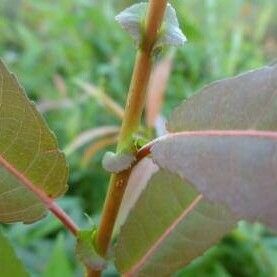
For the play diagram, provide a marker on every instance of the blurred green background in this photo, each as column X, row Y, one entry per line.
column 51, row 44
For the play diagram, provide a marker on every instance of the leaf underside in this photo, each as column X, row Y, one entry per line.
column 234, row 172
column 240, row 172
column 30, row 148
column 248, row 101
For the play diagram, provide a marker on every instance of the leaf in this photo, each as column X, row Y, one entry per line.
column 235, row 168
column 31, row 164
column 156, row 89
column 137, row 182
column 88, row 136
column 9, row 263
column 244, row 102
column 132, row 20
column 85, row 250
column 102, row 97
column 151, row 244
column 58, row 264
column 92, row 149
column 169, row 226
column 45, row 106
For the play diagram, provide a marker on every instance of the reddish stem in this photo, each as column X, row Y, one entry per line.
column 42, row 196
column 64, row 218
column 146, row 149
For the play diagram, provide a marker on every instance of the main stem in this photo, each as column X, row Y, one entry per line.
column 131, row 121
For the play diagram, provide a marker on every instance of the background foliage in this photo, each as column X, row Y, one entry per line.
column 51, row 44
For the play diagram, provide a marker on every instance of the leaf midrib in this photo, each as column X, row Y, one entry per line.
column 152, row 250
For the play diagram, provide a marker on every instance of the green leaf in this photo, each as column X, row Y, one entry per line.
column 10, row 265
column 248, row 101
column 235, row 168
column 85, row 250
column 31, row 166
column 132, row 20
column 58, row 264
column 169, row 226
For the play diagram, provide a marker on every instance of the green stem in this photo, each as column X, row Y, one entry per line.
column 131, row 121
column 135, row 101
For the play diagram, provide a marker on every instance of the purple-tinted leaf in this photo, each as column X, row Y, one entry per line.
column 236, row 168
column 248, row 101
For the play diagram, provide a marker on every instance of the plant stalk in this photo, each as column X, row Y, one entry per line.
column 131, row 121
